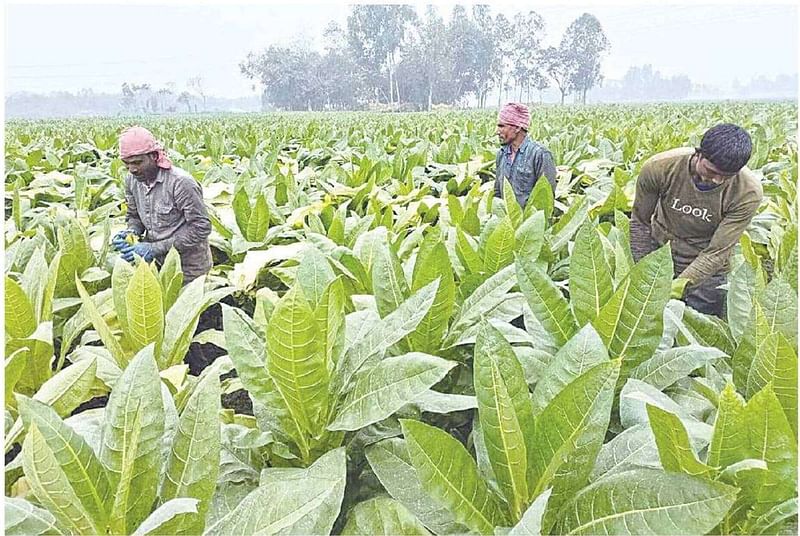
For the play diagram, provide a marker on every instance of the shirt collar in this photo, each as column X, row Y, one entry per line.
column 522, row 148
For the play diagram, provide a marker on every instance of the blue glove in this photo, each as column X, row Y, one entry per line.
column 119, row 239
column 143, row 249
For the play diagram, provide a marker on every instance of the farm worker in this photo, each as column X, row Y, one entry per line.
column 701, row 201
column 520, row 160
column 165, row 207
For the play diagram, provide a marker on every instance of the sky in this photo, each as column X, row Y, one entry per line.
column 60, row 46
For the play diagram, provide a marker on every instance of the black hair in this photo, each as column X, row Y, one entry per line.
column 727, row 146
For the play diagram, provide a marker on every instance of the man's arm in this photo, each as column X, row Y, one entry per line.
column 544, row 165
column 644, row 204
column 189, row 200
column 132, row 219
column 498, row 176
column 713, row 257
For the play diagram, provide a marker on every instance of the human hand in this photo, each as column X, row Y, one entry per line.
column 142, row 249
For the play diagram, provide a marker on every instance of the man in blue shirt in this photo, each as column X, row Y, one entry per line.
column 520, row 160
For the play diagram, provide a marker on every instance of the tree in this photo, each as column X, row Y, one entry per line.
column 584, row 42
column 502, row 64
column 341, row 78
column 527, row 35
column 290, row 76
column 375, row 34
column 197, row 84
column 426, row 57
column 559, row 66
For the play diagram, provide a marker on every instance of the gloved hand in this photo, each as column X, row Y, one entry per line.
column 143, row 249
column 119, row 241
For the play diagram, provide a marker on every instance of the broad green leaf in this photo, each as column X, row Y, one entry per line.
column 569, row 434
column 296, row 361
column 513, row 209
column 776, row 362
column 391, row 463
column 480, row 302
column 306, row 501
column 541, row 198
column 34, row 281
column 258, row 222
column 121, row 276
column 51, row 485
column 80, row 466
column 25, row 519
column 433, row 263
column 50, row 289
column 531, row 522
column 779, row 301
column 630, row 324
column 171, row 279
column 443, row 403
column 747, row 475
column 646, row 501
column 385, row 332
column 674, row 449
column 20, row 320
column 164, row 518
column 382, row 516
column 76, row 256
column 754, row 335
column 666, row 368
column 499, row 249
column 529, row 236
column 546, row 301
column 389, row 284
column 144, row 310
column 13, row 368
column 330, row 317
column 708, row 330
column 633, row 448
column 103, row 302
column 396, row 381
column 181, row 320
column 366, row 245
column 582, row 352
column 506, row 415
column 449, row 475
column 729, row 442
column 771, row 521
column 770, row 438
column 241, row 209
column 568, row 224
column 247, row 350
column 108, row 338
column 193, row 464
column 590, row 282
column 131, row 441
column 314, row 275
column 469, row 258
column 742, row 289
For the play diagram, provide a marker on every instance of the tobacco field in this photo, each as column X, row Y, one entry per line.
column 368, row 287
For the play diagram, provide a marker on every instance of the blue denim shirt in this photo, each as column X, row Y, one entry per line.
column 531, row 162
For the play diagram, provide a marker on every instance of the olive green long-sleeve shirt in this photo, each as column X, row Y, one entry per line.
column 701, row 225
column 172, row 213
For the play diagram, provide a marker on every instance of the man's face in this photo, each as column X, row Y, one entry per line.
column 142, row 166
column 708, row 172
column 506, row 133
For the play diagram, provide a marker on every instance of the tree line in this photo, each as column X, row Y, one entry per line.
column 389, row 56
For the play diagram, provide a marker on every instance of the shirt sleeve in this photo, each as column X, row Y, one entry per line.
column 498, row 175
column 727, row 235
column 132, row 219
column 189, row 200
column 644, row 204
column 546, row 166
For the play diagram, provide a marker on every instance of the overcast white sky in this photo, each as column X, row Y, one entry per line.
column 60, row 46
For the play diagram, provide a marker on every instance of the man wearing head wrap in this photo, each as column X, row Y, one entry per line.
column 520, row 160
column 700, row 200
column 165, row 207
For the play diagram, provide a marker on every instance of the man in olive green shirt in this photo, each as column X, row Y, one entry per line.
column 700, row 200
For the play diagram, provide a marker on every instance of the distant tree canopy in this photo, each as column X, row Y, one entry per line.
column 387, row 55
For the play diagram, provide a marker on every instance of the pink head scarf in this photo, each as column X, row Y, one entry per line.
column 138, row 140
column 515, row 114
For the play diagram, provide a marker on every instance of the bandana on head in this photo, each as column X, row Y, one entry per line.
column 515, row 114
column 138, row 140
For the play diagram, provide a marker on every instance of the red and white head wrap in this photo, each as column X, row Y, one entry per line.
column 138, row 140
column 515, row 114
